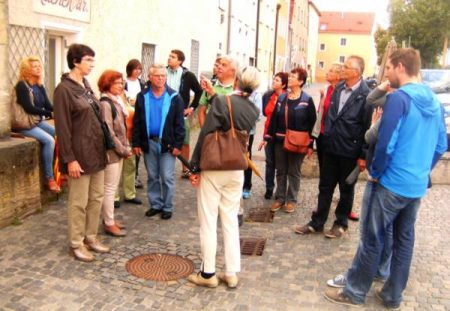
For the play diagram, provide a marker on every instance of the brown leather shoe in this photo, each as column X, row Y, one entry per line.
column 96, row 246
column 53, row 186
column 276, row 206
column 119, row 224
column 290, row 207
column 82, row 254
column 114, row 230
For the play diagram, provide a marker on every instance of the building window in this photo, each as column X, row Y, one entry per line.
column 322, row 47
column 342, row 59
column 343, row 41
column 321, row 64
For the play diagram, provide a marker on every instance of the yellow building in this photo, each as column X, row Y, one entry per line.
column 342, row 34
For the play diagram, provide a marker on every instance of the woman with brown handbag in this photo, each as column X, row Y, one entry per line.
column 220, row 182
column 32, row 97
column 295, row 115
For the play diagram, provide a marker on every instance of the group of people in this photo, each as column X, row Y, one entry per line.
column 397, row 132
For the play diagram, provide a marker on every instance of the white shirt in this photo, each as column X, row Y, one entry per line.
column 133, row 88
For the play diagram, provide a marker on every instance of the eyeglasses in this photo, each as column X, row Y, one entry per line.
column 88, row 59
column 158, row 76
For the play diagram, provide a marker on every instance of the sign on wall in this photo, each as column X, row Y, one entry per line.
column 72, row 9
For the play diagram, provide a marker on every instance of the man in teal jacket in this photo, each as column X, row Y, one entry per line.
column 158, row 133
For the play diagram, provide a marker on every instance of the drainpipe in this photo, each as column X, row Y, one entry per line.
column 258, row 5
column 275, row 39
column 229, row 26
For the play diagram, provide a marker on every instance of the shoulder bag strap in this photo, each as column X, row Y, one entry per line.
column 286, row 113
column 231, row 116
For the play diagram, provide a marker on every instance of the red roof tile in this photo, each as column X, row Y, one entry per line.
column 346, row 22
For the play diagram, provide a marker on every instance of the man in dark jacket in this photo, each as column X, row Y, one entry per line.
column 182, row 80
column 158, row 134
column 347, row 120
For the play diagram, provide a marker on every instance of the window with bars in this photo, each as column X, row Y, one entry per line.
column 147, row 59
column 195, row 53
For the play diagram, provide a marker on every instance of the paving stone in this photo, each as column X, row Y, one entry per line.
column 38, row 273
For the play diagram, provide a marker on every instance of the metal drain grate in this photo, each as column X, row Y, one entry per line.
column 260, row 215
column 252, row 246
column 160, row 267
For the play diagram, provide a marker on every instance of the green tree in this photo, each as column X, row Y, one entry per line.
column 382, row 38
column 422, row 24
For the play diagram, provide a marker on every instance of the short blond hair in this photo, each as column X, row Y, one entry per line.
column 248, row 80
column 25, row 70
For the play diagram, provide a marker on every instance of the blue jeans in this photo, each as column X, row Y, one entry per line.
column 270, row 165
column 384, row 210
column 161, row 177
column 45, row 134
column 384, row 266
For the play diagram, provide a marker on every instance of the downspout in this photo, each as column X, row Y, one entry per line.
column 229, row 26
column 258, row 5
column 275, row 39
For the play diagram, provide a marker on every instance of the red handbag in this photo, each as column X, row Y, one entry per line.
column 295, row 141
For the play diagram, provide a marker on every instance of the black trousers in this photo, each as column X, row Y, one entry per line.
column 335, row 170
column 248, row 172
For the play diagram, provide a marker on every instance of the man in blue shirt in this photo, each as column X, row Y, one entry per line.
column 411, row 139
column 158, row 134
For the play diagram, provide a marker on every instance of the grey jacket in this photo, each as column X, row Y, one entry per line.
column 245, row 114
column 377, row 98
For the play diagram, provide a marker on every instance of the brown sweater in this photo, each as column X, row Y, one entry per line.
column 78, row 129
column 117, row 129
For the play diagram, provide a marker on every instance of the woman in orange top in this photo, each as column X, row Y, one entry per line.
column 279, row 86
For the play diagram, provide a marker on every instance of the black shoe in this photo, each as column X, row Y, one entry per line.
column 166, row 215
column 116, row 204
column 268, row 194
column 134, row 201
column 152, row 212
column 138, row 184
column 240, row 219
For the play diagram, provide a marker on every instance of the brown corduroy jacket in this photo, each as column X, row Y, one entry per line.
column 79, row 134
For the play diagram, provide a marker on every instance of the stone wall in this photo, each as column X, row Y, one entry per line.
column 4, row 83
column 20, row 183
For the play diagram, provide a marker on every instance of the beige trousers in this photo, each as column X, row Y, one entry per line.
column 84, row 205
column 219, row 193
column 112, row 178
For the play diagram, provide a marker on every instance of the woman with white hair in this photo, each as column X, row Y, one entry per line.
column 219, row 191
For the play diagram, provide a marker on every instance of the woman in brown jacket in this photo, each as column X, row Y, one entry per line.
column 82, row 151
column 114, row 113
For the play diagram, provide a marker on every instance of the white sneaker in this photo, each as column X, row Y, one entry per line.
column 339, row 281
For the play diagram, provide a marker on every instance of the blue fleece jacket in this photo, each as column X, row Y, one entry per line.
column 411, row 139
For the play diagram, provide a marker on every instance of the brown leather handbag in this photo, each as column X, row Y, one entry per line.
column 295, row 141
column 224, row 151
column 20, row 119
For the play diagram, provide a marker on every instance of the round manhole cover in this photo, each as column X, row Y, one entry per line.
column 160, row 267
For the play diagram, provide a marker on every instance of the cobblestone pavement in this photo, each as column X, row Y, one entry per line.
column 37, row 272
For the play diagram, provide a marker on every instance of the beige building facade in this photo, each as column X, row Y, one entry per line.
column 313, row 39
column 342, row 34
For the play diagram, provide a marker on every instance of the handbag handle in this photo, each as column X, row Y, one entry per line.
column 231, row 116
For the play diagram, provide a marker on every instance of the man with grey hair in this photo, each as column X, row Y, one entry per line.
column 226, row 74
column 159, row 134
column 347, row 120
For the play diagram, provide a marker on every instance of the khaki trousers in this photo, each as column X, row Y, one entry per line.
column 219, row 193
column 84, row 206
column 112, row 178
column 128, row 179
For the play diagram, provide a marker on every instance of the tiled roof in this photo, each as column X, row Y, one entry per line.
column 346, row 22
